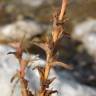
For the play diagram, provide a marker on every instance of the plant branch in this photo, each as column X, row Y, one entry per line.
column 63, row 8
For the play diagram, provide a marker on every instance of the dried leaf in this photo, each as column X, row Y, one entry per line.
column 61, row 64
column 14, row 86
column 14, row 77
column 51, row 80
column 50, row 92
column 43, row 46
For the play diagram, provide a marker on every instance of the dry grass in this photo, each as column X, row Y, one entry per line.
column 49, row 45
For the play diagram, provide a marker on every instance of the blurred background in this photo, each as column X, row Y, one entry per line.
column 34, row 17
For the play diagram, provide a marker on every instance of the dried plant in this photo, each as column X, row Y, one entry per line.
column 21, row 73
column 50, row 47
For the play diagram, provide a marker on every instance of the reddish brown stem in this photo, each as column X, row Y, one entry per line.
column 63, row 8
column 47, row 70
column 23, row 88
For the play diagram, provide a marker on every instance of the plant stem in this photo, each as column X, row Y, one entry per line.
column 23, row 87
column 63, row 8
